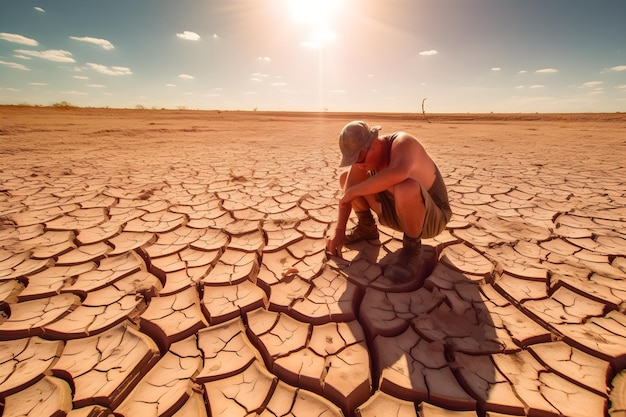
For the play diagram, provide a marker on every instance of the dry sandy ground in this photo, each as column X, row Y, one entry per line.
column 171, row 263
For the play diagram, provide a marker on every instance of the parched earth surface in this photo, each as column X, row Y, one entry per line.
column 161, row 263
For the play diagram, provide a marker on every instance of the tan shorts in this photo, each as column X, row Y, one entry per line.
column 435, row 218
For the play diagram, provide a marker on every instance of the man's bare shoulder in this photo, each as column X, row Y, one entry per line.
column 406, row 141
column 406, row 150
column 404, row 137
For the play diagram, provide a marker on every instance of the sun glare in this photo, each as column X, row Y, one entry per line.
column 314, row 11
column 318, row 16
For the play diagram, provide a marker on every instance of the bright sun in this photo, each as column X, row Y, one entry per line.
column 318, row 14
column 312, row 11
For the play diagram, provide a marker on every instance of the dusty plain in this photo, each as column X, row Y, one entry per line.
column 171, row 263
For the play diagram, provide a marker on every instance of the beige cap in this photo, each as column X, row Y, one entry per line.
column 355, row 136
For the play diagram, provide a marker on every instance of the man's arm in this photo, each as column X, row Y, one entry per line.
column 338, row 237
column 398, row 170
column 343, row 213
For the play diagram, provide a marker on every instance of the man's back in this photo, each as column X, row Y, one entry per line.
column 407, row 154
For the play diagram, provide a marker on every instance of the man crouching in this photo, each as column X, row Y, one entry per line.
column 394, row 176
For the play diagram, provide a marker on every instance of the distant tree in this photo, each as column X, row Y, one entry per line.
column 63, row 105
column 424, row 111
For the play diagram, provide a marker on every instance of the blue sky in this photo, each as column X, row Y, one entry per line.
column 339, row 55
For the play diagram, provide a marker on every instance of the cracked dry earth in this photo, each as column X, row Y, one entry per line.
column 157, row 263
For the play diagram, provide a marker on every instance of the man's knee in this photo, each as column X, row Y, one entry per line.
column 408, row 190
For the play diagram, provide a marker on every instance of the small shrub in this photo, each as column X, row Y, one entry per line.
column 63, row 105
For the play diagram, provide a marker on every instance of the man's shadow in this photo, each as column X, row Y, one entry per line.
column 366, row 262
column 430, row 340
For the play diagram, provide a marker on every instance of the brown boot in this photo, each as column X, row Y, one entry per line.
column 365, row 228
column 409, row 262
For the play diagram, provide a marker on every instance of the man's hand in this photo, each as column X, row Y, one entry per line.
column 346, row 198
column 335, row 243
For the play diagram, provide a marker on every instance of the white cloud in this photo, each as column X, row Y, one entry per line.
column 39, row 9
column 429, row 52
column 259, row 77
column 103, row 43
column 618, row 68
column 215, row 36
column 496, row 69
column 38, row 84
column 189, row 36
column 592, row 83
column 536, row 86
column 278, row 84
column 15, row 65
column 264, row 58
column 103, row 69
column 81, row 77
column 22, row 40
column 170, row 85
column 522, row 72
column 547, row 71
column 74, row 92
column 318, row 38
column 55, row 55
column 621, row 87
column 15, row 90
column 95, row 85
column 186, row 76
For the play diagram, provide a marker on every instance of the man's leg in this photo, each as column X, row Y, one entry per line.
column 366, row 225
column 410, row 208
